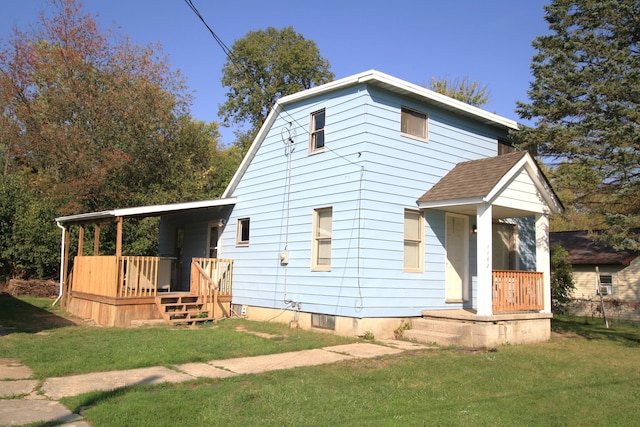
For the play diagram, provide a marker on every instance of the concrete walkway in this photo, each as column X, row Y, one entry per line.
column 24, row 400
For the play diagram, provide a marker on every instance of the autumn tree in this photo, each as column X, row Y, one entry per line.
column 90, row 121
column 584, row 101
column 462, row 89
column 264, row 66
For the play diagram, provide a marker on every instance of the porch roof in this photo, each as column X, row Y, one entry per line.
column 142, row 211
column 482, row 181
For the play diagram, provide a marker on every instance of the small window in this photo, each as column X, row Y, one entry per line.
column 323, row 321
column 413, row 243
column 242, row 236
column 413, row 123
column 321, row 252
column 316, row 138
column 606, row 284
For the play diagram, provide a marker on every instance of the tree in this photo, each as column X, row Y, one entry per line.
column 461, row 89
column 264, row 66
column 584, row 99
column 91, row 122
column 562, row 285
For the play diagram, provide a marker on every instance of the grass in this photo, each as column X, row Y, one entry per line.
column 53, row 346
column 585, row 375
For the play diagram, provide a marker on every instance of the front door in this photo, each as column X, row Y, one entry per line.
column 457, row 258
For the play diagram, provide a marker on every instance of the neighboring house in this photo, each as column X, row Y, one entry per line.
column 600, row 269
column 369, row 201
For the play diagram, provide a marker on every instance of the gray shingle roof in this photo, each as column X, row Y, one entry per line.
column 472, row 179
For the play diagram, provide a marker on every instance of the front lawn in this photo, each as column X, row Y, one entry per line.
column 585, row 375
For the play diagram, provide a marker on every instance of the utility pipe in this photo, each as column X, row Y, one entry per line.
column 64, row 235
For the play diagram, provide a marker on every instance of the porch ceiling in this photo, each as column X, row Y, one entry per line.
column 470, row 209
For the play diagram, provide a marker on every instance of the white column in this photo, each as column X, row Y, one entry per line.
column 484, row 260
column 543, row 260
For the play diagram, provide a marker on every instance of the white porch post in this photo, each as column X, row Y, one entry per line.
column 484, row 260
column 543, row 260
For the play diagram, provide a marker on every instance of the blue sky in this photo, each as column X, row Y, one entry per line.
column 488, row 41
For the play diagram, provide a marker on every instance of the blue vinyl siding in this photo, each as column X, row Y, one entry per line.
column 368, row 173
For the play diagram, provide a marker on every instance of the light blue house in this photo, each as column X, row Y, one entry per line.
column 328, row 225
column 369, row 202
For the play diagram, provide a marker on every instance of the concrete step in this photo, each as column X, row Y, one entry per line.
column 430, row 337
column 439, row 325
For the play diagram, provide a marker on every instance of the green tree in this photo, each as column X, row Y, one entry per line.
column 584, row 100
column 462, row 89
column 91, row 122
column 562, row 285
column 264, row 66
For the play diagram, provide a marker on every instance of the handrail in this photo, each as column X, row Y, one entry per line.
column 210, row 278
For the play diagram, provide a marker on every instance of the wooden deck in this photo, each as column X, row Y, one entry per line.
column 117, row 291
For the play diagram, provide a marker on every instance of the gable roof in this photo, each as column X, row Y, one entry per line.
column 482, row 181
column 472, row 179
column 374, row 78
column 585, row 251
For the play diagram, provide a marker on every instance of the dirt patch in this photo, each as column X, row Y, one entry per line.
column 258, row 334
column 36, row 288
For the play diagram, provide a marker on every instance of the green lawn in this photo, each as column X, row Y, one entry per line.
column 585, row 375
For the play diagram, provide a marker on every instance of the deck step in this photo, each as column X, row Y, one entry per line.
column 179, row 309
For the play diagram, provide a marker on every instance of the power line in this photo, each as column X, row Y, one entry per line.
column 223, row 46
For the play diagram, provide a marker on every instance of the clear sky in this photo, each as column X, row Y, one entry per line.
column 486, row 40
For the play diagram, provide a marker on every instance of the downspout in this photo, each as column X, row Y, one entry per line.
column 64, row 235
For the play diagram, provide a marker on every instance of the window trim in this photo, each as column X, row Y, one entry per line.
column 420, row 241
column 413, row 112
column 315, row 250
column 240, row 228
column 313, row 132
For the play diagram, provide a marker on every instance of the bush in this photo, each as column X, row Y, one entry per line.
column 562, row 285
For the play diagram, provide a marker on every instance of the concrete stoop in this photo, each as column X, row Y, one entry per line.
column 465, row 329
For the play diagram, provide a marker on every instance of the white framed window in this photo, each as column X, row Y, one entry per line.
column 413, row 241
column 242, row 232
column 413, row 123
column 606, row 284
column 505, row 246
column 316, row 132
column 321, row 251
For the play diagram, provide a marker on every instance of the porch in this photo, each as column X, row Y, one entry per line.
column 122, row 290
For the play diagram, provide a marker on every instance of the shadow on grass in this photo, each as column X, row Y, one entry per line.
column 594, row 329
column 17, row 315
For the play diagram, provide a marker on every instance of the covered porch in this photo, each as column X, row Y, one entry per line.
column 505, row 203
column 121, row 290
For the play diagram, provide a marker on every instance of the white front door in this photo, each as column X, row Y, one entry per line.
column 457, row 258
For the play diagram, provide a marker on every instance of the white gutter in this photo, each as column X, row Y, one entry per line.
column 64, row 235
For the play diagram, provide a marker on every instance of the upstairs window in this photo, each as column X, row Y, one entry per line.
column 321, row 252
column 316, row 138
column 413, row 123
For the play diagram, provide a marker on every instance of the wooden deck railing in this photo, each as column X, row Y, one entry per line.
column 517, row 291
column 124, row 277
column 142, row 276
